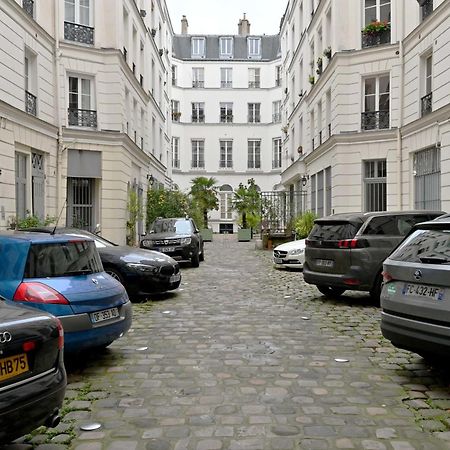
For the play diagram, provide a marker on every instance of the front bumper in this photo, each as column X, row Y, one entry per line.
column 286, row 263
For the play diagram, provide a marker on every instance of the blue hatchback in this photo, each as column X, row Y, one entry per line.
column 64, row 276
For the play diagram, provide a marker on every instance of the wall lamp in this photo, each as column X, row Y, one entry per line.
column 150, row 179
column 305, row 179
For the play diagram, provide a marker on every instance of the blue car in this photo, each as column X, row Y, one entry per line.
column 64, row 276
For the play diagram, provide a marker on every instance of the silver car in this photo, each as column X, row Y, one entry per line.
column 415, row 298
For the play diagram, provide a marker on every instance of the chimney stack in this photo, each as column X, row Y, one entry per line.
column 184, row 25
column 243, row 27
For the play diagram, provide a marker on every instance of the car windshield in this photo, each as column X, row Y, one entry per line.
column 333, row 231
column 78, row 257
column 178, row 226
column 100, row 242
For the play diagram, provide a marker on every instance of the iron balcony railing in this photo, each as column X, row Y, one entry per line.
column 30, row 103
column 198, row 84
column 226, row 84
column 426, row 104
column 82, row 118
column 198, row 118
column 378, row 38
column 141, row 80
column 28, row 6
column 254, row 84
column 176, row 164
column 374, row 120
column 276, row 117
column 226, row 118
column 426, row 8
column 78, row 33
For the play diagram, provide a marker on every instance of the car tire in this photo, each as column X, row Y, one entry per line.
column 330, row 291
column 115, row 274
column 201, row 256
column 195, row 259
column 375, row 292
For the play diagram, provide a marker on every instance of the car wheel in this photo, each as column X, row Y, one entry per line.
column 375, row 292
column 330, row 291
column 115, row 274
column 195, row 259
column 202, row 255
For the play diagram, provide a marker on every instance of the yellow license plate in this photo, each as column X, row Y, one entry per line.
column 13, row 366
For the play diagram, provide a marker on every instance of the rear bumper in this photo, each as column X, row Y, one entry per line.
column 335, row 280
column 416, row 335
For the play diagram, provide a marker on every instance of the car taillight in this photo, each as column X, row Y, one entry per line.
column 28, row 346
column 34, row 292
column 353, row 243
column 386, row 277
column 60, row 334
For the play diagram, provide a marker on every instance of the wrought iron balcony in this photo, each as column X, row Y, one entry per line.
column 226, row 118
column 82, row 118
column 30, row 103
column 254, row 84
column 198, row 84
column 226, row 84
column 198, row 118
column 426, row 104
column 176, row 164
column 426, row 8
column 78, row 33
column 28, row 6
column 377, row 38
column 276, row 117
column 374, row 120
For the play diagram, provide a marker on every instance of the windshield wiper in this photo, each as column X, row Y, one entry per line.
column 434, row 260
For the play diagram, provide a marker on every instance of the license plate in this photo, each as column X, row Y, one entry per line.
column 175, row 278
column 420, row 290
column 106, row 314
column 277, row 260
column 324, row 262
column 167, row 250
column 13, row 366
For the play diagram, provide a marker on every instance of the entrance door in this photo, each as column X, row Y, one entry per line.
column 81, row 203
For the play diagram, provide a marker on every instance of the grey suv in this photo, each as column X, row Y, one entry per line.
column 346, row 251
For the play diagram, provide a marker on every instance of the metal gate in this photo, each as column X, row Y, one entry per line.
column 427, row 179
column 81, row 203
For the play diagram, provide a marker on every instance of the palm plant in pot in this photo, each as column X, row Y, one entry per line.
column 247, row 202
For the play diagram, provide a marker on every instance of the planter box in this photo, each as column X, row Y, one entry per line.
column 244, row 235
column 206, row 234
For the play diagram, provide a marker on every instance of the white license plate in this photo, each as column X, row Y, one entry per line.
column 106, row 314
column 175, row 278
column 167, row 250
column 277, row 260
column 324, row 262
column 420, row 290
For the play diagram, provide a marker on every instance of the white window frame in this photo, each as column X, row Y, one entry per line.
column 254, row 154
column 276, row 111
column 77, row 11
column 227, row 109
column 226, row 77
column 198, row 77
column 198, row 47
column 226, row 47
column 91, row 94
column 254, row 112
column 254, row 47
column 277, row 153
column 197, row 109
column 226, row 202
column 198, row 153
column 377, row 7
column 226, row 154
column 254, row 77
column 175, row 152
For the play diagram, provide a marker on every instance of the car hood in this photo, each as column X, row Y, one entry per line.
column 293, row 245
column 11, row 313
column 161, row 236
column 136, row 255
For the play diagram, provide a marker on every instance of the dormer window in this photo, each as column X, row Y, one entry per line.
column 226, row 47
column 198, row 47
column 254, row 47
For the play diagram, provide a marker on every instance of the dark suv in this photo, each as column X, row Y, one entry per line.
column 346, row 251
column 177, row 237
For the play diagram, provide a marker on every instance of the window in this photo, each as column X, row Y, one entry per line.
column 37, row 185
column 375, row 196
column 198, row 154
column 254, row 78
column 376, row 103
column 226, row 202
column 174, row 75
column 77, row 11
column 278, row 76
column 198, row 47
column 276, row 111
column 427, row 99
column 81, row 111
column 427, row 179
column 226, row 155
column 377, row 10
column 198, row 77
column 320, row 192
column 254, row 47
column 81, row 203
column 276, row 160
column 176, row 114
column 328, row 191
column 198, row 112
column 254, row 154
column 226, row 112
column 313, row 193
column 30, row 75
column 226, row 77
column 226, row 47
column 176, row 152
column 21, row 185
column 254, row 112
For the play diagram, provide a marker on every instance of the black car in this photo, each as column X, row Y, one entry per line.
column 178, row 237
column 32, row 374
column 142, row 272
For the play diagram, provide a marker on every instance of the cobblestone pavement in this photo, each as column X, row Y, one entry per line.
column 247, row 357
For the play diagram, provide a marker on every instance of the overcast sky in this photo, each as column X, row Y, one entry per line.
column 222, row 16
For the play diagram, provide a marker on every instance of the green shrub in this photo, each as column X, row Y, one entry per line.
column 304, row 224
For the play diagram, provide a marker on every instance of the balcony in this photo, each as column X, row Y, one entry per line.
column 226, row 84
column 198, row 118
column 30, row 103
column 78, row 33
column 374, row 120
column 28, row 7
column 376, row 38
column 426, row 8
column 198, row 84
column 276, row 117
column 125, row 53
column 254, row 84
column 82, row 118
column 226, row 118
column 426, row 104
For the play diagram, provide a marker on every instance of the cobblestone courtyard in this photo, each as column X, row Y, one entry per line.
column 247, row 357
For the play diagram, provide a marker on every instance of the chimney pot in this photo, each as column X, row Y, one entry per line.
column 244, row 26
column 184, row 25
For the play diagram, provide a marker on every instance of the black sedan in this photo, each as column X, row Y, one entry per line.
column 32, row 374
column 142, row 272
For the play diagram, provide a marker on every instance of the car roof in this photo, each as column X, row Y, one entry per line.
column 35, row 237
column 363, row 216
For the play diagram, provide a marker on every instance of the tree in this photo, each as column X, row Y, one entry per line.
column 165, row 203
column 204, row 195
column 247, row 202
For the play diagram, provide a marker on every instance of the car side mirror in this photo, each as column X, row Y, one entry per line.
column 97, row 229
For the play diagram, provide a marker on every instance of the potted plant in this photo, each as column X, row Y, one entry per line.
column 327, row 53
column 247, row 202
column 319, row 66
column 376, row 27
column 311, row 79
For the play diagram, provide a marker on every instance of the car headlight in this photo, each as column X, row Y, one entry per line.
column 185, row 241
column 143, row 268
column 297, row 251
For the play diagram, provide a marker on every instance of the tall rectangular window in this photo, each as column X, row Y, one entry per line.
column 276, row 111
column 328, row 187
column 320, row 193
column 21, row 185
column 198, row 112
column 226, row 47
column 81, row 203
column 176, row 114
column 226, row 77
column 176, row 152
column 375, row 195
column 254, row 47
column 254, row 112
column 226, row 202
column 427, row 179
column 427, row 99
column 174, row 75
column 226, row 154
column 278, row 78
column 81, row 109
column 277, row 152
column 376, row 103
column 77, row 11
column 198, row 77
column 313, row 194
column 254, row 154
column 198, row 154
column 226, row 112
column 198, row 47
column 254, row 78
column 377, row 11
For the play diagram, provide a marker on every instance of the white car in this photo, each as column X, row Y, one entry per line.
column 290, row 255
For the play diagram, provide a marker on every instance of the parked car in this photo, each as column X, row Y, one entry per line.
column 32, row 375
column 64, row 276
column 178, row 237
column 346, row 251
column 141, row 271
column 290, row 255
column 415, row 299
